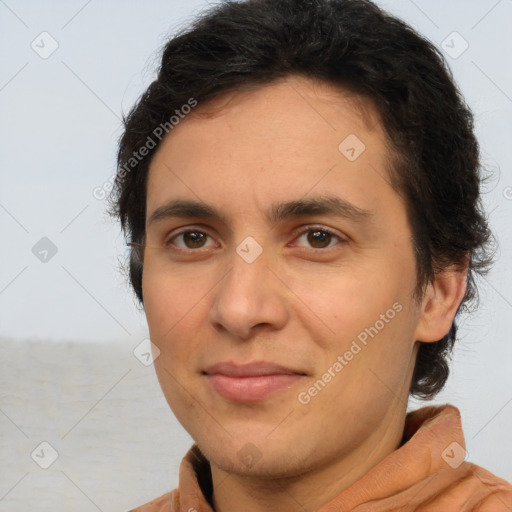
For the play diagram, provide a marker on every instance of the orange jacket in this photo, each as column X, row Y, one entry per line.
column 427, row 473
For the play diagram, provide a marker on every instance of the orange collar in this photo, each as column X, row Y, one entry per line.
column 426, row 472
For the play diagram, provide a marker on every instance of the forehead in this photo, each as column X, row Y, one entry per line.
column 321, row 97
column 271, row 143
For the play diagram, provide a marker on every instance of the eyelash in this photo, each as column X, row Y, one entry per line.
column 168, row 243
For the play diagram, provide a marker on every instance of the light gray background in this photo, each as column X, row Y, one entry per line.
column 68, row 326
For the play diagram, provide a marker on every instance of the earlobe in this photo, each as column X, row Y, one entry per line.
column 440, row 304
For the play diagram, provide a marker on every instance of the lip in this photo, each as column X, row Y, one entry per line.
column 250, row 382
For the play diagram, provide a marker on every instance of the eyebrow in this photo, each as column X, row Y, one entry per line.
column 322, row 205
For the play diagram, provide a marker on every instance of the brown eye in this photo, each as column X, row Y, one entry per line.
column 319, row 239
column 189, row 240
column 194, row 239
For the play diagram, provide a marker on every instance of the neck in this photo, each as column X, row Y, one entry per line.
column 314, row 487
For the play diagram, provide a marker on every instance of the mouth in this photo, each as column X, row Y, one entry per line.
column 250, row 382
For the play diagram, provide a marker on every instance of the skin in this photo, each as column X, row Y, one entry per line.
column 300, row 304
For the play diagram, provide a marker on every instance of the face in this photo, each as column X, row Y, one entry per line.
column 278, row 278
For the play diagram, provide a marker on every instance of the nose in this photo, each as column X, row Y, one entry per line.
column 250, row 298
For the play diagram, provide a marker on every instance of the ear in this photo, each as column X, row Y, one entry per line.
column 440, row 303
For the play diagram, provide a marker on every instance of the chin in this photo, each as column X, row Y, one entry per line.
column 256, row 456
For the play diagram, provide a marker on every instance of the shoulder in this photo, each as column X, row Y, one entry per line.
column 162, row 504
column 469, row 487
column 496, row 493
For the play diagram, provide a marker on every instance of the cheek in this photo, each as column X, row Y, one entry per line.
column 175, row 313
column 340, row 304
column 166, row 295
column 363, row 316
column 164, row 306
column 170, row 319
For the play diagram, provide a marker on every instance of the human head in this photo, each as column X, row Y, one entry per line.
column 434, row 162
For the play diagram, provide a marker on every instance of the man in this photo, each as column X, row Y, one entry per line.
column 303, row 237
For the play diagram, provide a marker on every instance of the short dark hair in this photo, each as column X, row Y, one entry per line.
column 355, row 45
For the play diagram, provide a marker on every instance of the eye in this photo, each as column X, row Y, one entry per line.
column 191, row 239
column 318, row 238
